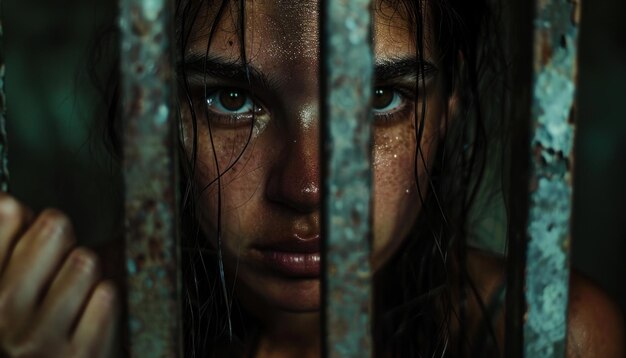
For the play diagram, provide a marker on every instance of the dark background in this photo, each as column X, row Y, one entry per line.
column 56, row 160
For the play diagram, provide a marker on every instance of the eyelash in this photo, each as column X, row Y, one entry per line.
column 406, row 98
column 234, row 119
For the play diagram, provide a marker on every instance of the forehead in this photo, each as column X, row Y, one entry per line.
column 287, row 31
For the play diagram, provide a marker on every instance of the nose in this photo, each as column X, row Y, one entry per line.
column 294, row 181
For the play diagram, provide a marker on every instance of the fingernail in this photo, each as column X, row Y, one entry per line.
column 83, row 262
column 49, row 229
column 106, row 295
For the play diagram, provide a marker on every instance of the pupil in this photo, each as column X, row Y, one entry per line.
column 232, row 100
column 382, row 98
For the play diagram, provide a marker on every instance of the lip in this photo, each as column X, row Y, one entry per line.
column 292, row 257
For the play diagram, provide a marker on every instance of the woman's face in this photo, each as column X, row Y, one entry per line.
column 269, row 188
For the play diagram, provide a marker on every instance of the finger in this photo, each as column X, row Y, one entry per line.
column 67, row 295
column 96, row 330
column 33, row 263
column 13, row 219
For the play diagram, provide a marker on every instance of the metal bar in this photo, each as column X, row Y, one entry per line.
column 555, row 31
column 150, row 176
column 347, row 83
column 520, row 52
column 4, row 163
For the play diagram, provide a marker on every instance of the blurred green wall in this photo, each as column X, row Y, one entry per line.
column 55, row 161
column 599, row 247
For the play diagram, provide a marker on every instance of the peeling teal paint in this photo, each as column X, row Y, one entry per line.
column 551, row 148
column 347, row 79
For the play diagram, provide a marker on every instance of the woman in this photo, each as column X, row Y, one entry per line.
column 250, row 129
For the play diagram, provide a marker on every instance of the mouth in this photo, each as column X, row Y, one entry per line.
column 293, row 257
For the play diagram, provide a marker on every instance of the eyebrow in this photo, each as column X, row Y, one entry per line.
column 196, row 66
column 402, row 68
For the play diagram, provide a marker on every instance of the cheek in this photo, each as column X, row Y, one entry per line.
column 394, row 189
column 238, row 158
column 397, row 202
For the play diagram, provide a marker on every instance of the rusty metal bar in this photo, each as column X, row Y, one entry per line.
column 4, row 168
column 347, row 84
column 552, row 158
column 551, row 138
column 150, row 176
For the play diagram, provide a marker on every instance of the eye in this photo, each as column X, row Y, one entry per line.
column 386, row 100
column 231, row 102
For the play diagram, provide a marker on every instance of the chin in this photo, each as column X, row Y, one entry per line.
column 289, row 295
column 293, row 295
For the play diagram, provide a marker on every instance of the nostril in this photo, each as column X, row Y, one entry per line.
column 297, row 194
column 294, row 184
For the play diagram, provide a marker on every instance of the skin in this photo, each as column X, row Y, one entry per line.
column 595, row 321
column 53, row 302
column 273, row 189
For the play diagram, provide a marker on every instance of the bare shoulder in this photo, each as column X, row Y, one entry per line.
column 596, row 323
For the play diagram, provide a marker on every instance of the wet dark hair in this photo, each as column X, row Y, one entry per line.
column 427, row 283
column 423, row 289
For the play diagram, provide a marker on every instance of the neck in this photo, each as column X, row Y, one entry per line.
column 290, row 335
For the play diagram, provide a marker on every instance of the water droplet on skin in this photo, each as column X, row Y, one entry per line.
column 259, row 126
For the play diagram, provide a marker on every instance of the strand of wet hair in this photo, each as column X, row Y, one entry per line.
column 219, row 183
